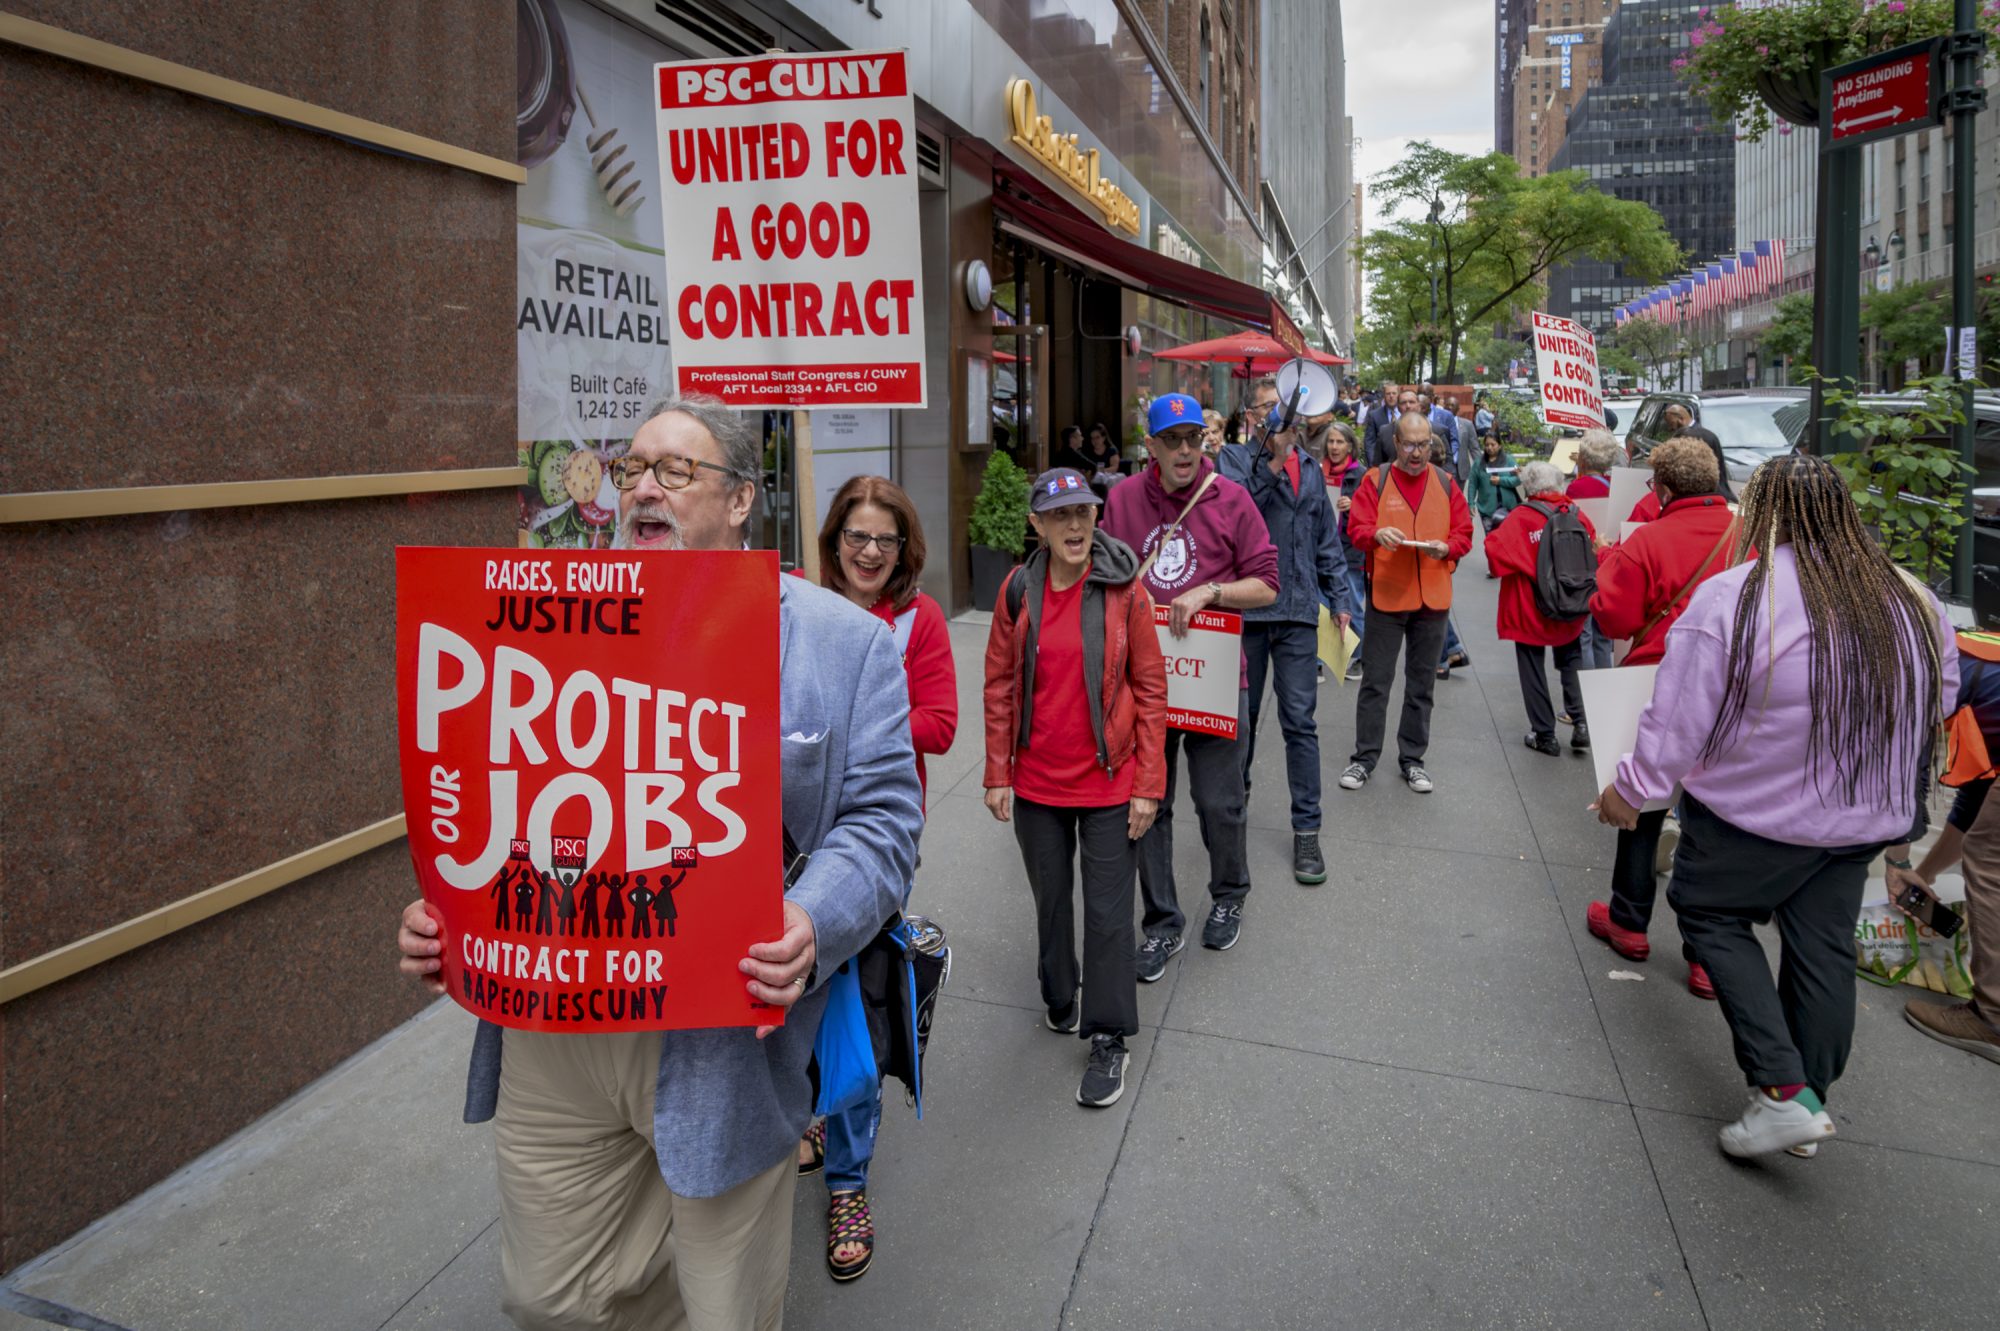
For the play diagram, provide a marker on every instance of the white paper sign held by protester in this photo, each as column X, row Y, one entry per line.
column 1204, row 671
column 1613, row 700
column 1566, row 360
column 793, row 261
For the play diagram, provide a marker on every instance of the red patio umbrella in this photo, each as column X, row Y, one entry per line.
column 1253, row 353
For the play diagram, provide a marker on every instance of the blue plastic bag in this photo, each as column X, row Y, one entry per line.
column 843, row 1048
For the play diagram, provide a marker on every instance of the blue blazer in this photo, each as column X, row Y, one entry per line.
column 1305, row 527
column 727, row 1105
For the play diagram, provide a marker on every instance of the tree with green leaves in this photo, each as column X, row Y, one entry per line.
column 1791, row 332
column 1487, row 238
column 1649, row 344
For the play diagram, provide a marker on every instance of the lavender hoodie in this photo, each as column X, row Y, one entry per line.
column 1223, row 539
column 1762, row 782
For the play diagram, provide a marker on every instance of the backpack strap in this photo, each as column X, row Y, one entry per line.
column 1017, row 592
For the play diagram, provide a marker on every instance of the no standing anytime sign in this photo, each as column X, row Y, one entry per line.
column 793, row 260
column 1884, row 95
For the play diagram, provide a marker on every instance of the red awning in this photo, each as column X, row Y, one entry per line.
column 1033, row 212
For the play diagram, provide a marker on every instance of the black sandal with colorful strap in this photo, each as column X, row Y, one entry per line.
column 815, row 1143
column 848, row 1225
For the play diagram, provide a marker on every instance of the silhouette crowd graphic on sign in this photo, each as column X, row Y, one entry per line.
column 527, row 900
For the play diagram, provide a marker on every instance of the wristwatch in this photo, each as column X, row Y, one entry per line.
column 1215, row 590
column 1894, row 863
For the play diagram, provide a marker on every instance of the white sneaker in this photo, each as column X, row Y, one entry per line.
column 1418, row 779
column 1773, row 1125
column 1354, row 777
column 1804, row 1152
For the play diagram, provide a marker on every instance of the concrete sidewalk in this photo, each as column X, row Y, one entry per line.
column 1412, row 1096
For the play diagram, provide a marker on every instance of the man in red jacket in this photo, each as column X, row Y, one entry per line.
column 1512, row 551
column 1643, row 585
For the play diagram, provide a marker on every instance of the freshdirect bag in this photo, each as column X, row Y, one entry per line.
column 1890, row 948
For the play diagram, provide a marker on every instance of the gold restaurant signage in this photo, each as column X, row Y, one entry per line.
column 1059, row 152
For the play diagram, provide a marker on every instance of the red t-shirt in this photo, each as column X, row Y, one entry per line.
column 1292, row 468
column 1588, row 487
column 1411, row 486
column 1058, row 765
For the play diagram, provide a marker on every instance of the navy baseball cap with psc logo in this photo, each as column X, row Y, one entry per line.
column 1171, row 409
column 1060, row 487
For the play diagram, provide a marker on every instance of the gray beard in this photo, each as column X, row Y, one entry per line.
column 626, row 536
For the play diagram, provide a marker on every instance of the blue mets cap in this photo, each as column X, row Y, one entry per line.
column 1171, row 409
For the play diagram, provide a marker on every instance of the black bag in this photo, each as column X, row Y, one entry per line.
column 902, row 971
column 1565, row 564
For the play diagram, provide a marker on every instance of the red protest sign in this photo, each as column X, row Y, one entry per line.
column 592, row 780
column 794, row 265
column 1566, row 364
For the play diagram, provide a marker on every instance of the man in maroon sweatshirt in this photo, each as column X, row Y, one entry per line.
column 1218, row 556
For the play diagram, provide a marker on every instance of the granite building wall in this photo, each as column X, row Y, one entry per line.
column 195, row 295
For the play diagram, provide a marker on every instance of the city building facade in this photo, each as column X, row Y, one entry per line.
column 1642, row 135
column 342, row 317
column 1307, row 167
column 1549, row 54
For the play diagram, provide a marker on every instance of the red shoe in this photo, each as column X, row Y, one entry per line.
column 1632, row 946
column 1698, row 982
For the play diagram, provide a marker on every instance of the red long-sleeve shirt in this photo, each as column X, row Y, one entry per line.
column 932, row 678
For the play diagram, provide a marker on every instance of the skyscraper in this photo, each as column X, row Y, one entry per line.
column 1306, row 165
column 1643, row 135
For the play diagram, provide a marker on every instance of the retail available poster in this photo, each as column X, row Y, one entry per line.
column 1203, row 671
column 591, row 778
column 590, row 327
column 793, row 263
column 1566, row 361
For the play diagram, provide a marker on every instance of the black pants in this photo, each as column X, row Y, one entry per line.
column 1215, row 780
column 1418, row 636
column 1800, row 1028
column 1633, row 885
column 1050, row 837
column 1529, row 662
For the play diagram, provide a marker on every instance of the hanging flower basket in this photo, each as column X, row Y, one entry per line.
column 1760, row 68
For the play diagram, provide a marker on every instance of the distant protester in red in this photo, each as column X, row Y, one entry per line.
column 871, row 550
column 1644, row 584
column 1512, row 551
column 1596, row 455
column 1076, row 716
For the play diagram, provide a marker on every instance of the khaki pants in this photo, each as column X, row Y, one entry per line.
column 1981, row 864
column 590, row 1236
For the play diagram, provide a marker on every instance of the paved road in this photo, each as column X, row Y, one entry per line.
column 1412, row 1096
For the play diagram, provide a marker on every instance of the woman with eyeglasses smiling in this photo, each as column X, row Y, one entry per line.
column 871, row 550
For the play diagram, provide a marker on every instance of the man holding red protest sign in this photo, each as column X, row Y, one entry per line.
column 1202, row 546
column 610, row 1134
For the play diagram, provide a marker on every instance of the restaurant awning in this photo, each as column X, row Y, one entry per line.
column 1031, row 211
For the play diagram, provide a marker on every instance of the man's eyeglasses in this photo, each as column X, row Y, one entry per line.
column 861, row 540
column 1179, row 440
column 673, row 473
column 1412, row 445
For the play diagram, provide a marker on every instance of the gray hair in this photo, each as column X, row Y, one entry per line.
column 742, row 449
column 1597, row 451
column 1539, row 478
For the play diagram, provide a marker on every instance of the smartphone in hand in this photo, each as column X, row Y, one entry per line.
column 1928, row 910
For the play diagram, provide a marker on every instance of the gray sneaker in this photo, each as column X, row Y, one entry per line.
column 1224, row 924
column 1104, row 1077
column 1153, row 955
column 1418, row 778
column 1354, row 777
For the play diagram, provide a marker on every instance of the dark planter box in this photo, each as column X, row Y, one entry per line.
column 989, row 570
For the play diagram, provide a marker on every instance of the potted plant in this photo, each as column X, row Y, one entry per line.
column 999, row 527
column 1754, row 64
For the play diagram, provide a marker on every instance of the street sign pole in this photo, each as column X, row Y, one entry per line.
column 1968, row 53
column 1876, row 97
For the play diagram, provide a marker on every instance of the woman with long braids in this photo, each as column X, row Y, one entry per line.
column 1792, row 709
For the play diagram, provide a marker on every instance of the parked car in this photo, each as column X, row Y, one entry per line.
column 1745, row 419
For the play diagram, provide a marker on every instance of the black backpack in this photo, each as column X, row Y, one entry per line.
column 1565, row 564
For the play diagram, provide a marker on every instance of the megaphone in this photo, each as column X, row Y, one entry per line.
column 1306, row 388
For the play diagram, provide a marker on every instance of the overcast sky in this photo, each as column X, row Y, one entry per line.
column 1417, row 69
